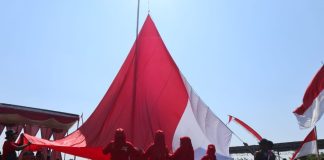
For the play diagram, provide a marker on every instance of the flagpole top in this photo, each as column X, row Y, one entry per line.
column 148, row 6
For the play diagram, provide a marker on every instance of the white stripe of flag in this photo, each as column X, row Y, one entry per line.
column 309, row 146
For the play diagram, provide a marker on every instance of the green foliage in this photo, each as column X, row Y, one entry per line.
column 312, row 157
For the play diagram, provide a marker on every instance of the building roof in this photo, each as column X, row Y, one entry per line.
column 18, row 115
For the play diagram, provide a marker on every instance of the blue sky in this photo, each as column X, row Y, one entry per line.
column 252, row 59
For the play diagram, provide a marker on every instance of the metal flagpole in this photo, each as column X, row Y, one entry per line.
column 77, row 129
column 82, row 118
column 244, row 143
column 317, row 152
column 138, row 8
column 148, row 6
column 67, row 133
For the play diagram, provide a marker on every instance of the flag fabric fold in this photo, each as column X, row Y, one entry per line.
column 147, row 94
column 308, row 146
column 245, row 126
column 313, row 102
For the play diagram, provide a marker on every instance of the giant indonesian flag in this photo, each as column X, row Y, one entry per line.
column 313, row 102
column 308, row 146
column 148, row 93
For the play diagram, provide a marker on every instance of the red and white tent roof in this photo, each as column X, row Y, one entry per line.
column 14, row 115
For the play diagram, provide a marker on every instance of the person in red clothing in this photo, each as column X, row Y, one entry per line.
column 119, row 148
column 10, row 147
column 138, row 154
column 185, row 151
column 28, row 155
column 210, row 153
column 157, row 150
column 39, row 155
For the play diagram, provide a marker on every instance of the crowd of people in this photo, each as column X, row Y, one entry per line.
column 120, row 149
column 10, row 147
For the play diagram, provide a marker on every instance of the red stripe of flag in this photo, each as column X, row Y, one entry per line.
column 247, row 127
column 313, row 90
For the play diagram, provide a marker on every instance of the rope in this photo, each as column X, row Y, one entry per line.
column 135, row 68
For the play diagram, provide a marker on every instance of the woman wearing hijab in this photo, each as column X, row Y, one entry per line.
column 119, row 148
column 157, row 150
column 185, row 151
column 210, row 153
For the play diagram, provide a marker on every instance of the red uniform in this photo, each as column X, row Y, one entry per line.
column 119, row 151
column 210, row 154
column 138, row 154
column 9, row 150
column 208, row 157
column 185, row 151
column 183, row 154
column 155, row 152
column 158, row 150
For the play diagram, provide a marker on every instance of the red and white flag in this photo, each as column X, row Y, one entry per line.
column 312, row 108
column 148, row 93
column 309, row 146
column 245, row 126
